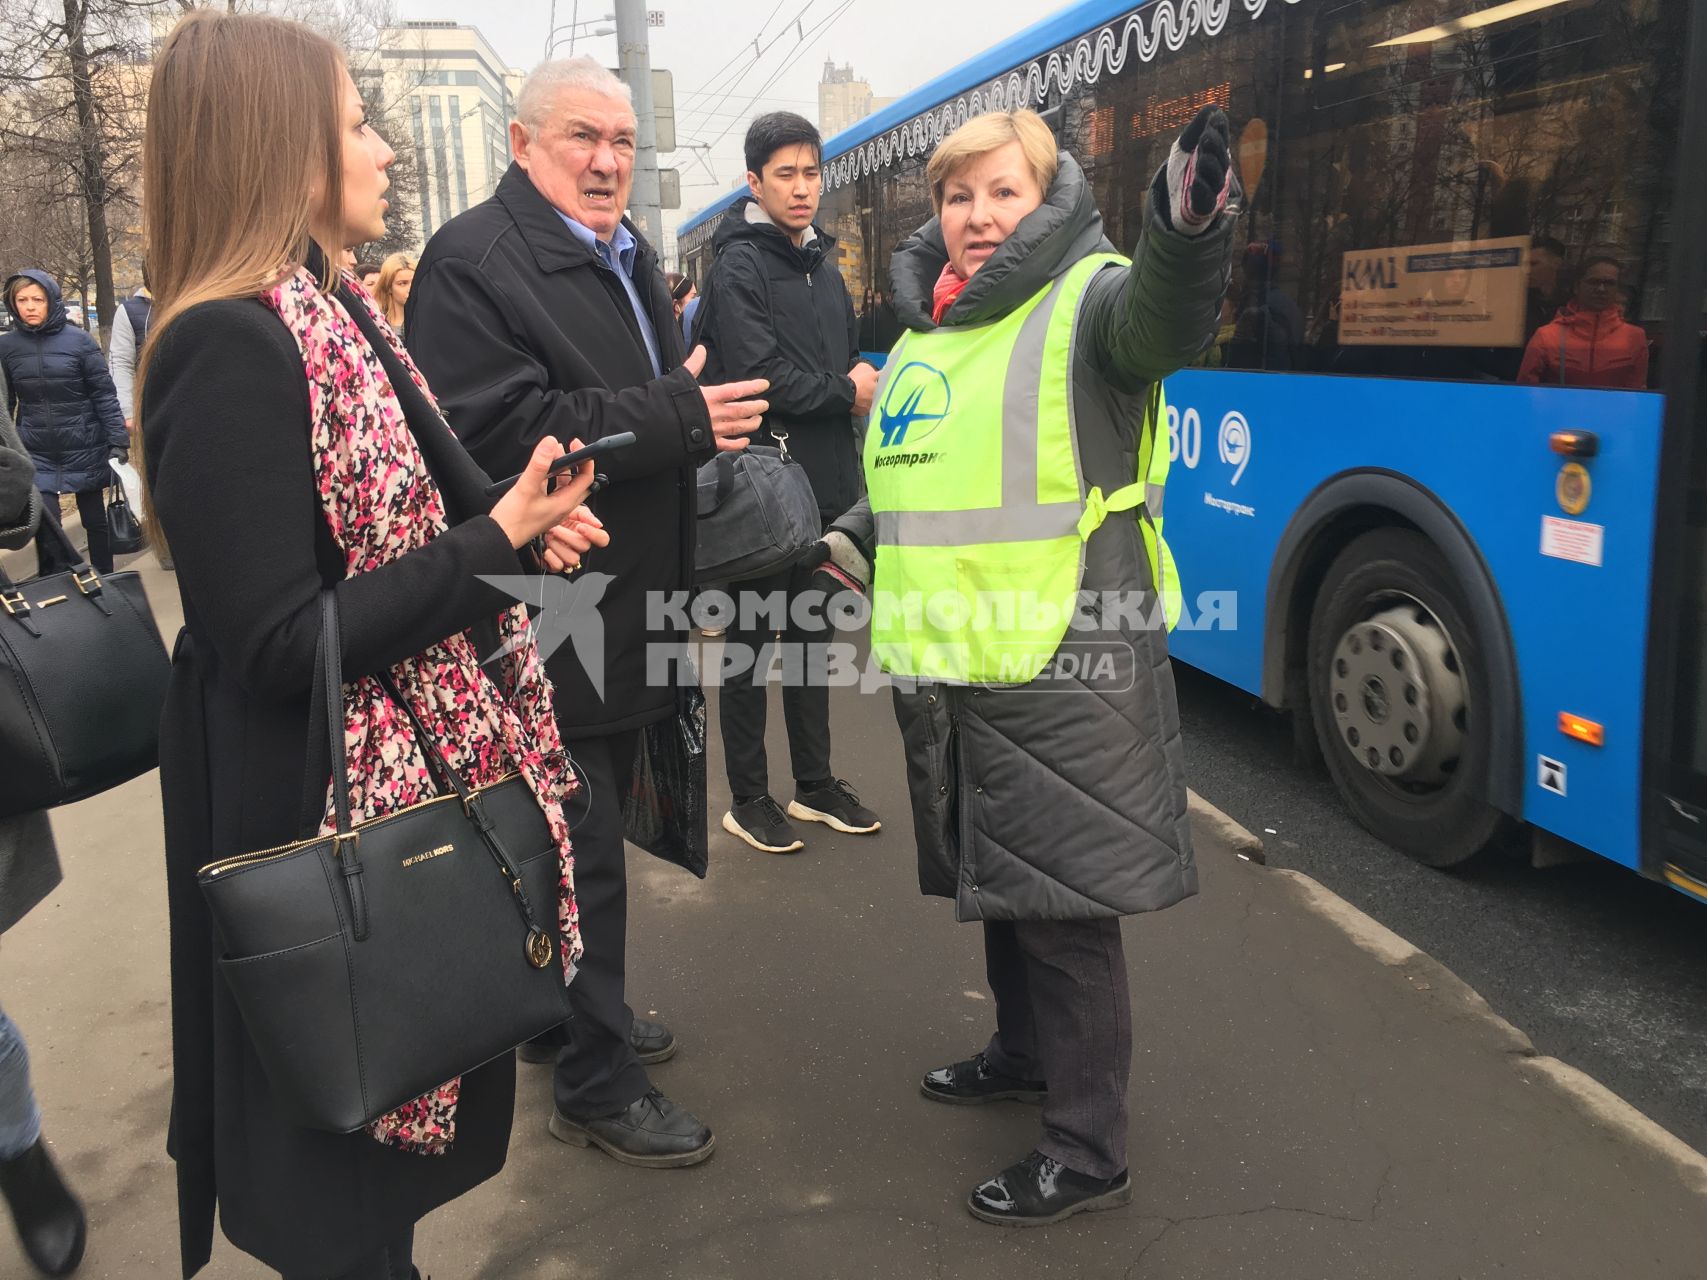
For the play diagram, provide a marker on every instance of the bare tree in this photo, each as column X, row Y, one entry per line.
column 73, row 87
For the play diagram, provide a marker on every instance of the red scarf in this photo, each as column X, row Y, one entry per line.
column 949, row 286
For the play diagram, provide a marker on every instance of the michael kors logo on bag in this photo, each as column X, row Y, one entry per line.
column 430, row 854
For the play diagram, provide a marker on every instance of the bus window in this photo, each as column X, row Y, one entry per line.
column 1481, row 193
column 1121, row 128
column 903, row 200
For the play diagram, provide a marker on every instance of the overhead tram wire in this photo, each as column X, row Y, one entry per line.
column 757, row 36
column 805, row 41
column 730, row 75
column 734, row 84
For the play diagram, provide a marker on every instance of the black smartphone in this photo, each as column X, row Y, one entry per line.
column 569, row 461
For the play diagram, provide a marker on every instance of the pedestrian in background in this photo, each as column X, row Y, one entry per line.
column 130, row 331
column 1589, row 343
column 68, row 413
column 391, row 290
column 291, row 449
column 684, row 297
column 367, row 275
column 778, row 310
column 48, row 1218
column 543, row 311
column 1048, row 801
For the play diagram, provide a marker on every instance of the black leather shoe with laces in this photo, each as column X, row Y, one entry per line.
column 760, row 823
column 1040, row 1190
column 973, row 1081
column 835, row 804
column 651, row 1133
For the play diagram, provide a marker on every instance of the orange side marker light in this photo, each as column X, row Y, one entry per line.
column 1582, row 730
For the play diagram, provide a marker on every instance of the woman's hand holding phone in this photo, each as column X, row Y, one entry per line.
column 534, row 508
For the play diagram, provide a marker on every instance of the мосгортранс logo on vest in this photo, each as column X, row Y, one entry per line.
column 916, row 403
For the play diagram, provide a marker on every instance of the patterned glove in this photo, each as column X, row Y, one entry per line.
column 840, row 563
column 1200, row 172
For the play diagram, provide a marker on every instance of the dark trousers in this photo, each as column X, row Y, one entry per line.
column 92, row 507
column 597, row 1073
column 393, row 1262
column 744, row 699
column 1063, row 1015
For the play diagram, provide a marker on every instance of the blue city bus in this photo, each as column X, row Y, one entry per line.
column 1439, row 487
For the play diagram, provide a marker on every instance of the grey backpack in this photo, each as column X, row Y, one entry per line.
column 756, row 514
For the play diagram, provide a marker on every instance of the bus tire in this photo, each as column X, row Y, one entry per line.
column 1396, row 678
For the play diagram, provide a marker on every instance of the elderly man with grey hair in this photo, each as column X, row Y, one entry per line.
column 540, row 312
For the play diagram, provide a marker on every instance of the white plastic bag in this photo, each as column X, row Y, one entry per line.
column 131, row 482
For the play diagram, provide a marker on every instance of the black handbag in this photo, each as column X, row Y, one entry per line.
column 82, row 681
column 123, row 528
column 664, row 811
column 374, row 964
column 756, row 514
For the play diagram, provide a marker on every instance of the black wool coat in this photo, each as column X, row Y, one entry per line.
column 522, row 333
column 226, row 434
column 773, row 309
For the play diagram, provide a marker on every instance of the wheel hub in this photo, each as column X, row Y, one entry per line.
column 1398, row 695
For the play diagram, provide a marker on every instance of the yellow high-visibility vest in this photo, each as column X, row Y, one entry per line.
column 979, row 497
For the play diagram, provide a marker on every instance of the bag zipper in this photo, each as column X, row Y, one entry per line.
column 220, row 867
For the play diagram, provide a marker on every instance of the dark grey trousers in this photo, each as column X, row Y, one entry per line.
column 1063, row 1015
column 597, row 1073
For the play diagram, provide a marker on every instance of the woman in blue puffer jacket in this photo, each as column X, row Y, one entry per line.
column 67, row 411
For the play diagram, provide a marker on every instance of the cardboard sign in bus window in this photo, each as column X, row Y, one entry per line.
column 1466, row 293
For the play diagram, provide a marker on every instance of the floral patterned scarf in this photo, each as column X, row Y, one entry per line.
column 381, row 503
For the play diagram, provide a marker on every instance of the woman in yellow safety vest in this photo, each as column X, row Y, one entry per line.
column 1021, row 594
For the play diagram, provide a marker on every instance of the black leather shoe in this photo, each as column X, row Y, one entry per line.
column 651, row 1132
column 652, row 1042
column 1039, row 1190
column 50, row 1222
column 966, row 1084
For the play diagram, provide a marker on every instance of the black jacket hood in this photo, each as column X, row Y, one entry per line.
column 55, row 303
column 765, row 234
column 1050, row 239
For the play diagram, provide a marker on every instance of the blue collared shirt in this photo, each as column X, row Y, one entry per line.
column 618, row 256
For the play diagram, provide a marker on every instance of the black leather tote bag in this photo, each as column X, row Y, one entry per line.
column 664, row 811
column 123, row 527
column 376, row 963
column 82, row 680
column 756, row 514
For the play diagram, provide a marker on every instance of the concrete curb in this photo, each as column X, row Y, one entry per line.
column 1426, row 974
column 1237, row 837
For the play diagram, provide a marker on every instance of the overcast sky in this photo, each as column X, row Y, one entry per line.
column 889, row 42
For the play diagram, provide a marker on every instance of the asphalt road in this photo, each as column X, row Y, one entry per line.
column 1601, row 968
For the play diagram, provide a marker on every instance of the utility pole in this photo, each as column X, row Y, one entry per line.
column 634, row 65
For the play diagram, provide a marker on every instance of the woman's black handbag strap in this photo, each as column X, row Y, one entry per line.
column 328, row 702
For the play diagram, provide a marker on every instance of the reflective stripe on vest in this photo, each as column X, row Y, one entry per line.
column 984, row 591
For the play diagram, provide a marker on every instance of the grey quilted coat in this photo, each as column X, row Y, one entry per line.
column 1066, row 798
column 29, row 866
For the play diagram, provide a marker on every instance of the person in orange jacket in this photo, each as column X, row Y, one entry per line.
column 1589, row 343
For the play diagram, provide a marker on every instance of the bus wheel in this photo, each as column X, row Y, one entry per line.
column 1398, row 692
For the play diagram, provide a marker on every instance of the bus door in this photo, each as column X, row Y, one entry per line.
column 1675, row 799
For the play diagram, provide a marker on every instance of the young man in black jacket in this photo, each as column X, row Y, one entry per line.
column 542, row 312
column 776, row 308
